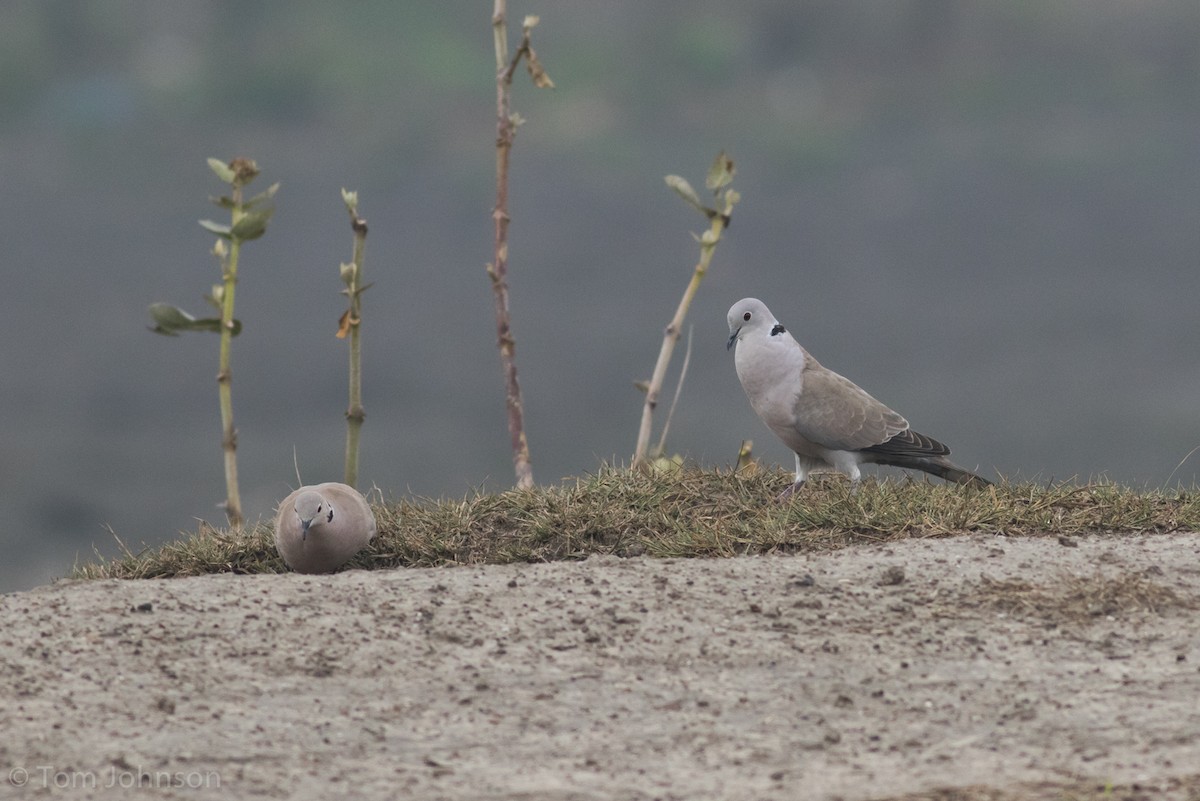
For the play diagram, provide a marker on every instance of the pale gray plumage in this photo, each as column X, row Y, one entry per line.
column 319, row 528
column 824, row 418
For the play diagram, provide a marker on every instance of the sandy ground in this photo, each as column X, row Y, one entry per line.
column 873, row 672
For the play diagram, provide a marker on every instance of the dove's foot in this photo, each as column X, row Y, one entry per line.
column 787, row 494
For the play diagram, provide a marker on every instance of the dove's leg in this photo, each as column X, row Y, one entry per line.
column 847, row 462
column 802, row 468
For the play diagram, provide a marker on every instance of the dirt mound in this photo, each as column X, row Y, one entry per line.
column 973, row 668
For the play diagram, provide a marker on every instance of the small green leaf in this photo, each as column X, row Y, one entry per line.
column 347, row 273
column 251, row 226
column 720, row 173
column 169, row 321
column 223, row 170
column 531, row 21
column 216, row 228
column 262, row 197
column 685, row 191
column 351, row 200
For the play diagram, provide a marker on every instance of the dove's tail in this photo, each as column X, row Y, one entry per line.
column 939, row 466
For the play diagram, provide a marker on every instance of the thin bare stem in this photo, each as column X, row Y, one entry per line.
column 506, row 124
column 687, row 358
column 351, row 323
column 1181, row 461
column 671, row 337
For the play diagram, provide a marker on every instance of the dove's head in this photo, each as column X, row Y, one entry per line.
column 313, row 509
column 748, row 316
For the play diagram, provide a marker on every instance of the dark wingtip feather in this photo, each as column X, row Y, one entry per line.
column 938, row 466
column 910, row 443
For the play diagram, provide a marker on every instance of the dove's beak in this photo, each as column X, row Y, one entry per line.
column 732, row 338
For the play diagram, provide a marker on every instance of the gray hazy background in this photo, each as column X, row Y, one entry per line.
column 987, row 214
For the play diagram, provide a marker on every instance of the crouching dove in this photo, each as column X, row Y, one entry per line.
column 824, row 418
column 319, row 528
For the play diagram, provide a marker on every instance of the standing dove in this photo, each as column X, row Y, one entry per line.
column 319, row 528
column 824, row 418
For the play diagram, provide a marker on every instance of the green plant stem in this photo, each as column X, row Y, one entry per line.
column 233, row 501
column 355, row 413
column 708, row 244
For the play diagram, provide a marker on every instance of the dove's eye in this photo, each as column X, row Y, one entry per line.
column 747, row 316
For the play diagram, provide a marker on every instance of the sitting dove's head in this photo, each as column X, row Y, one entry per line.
column 313, row 510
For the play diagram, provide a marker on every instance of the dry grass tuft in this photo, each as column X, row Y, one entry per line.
column 688, row 514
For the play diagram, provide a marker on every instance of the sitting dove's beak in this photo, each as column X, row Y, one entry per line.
column 732, row 338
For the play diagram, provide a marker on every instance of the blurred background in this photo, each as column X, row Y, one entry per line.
column 987, row 214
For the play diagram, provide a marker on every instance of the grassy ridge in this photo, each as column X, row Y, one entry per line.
column 690, row 514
